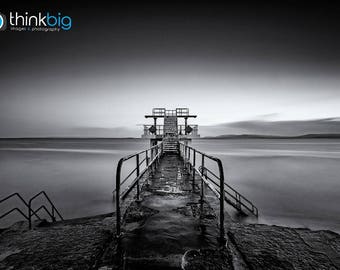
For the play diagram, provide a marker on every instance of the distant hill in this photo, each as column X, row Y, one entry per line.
column 256, row 136
column 314, row 127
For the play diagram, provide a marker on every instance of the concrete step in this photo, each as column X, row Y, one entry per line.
column 170, row 143
column 170, row 150
column 166, row 263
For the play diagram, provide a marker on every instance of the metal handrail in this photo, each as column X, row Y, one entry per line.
column 53, row 208
column 185, row 151
column 16, row 194
column 12, row 210
column 12, row 195
column 219, row 187
column 240, row 200
column 31, row 212
column 43, row 207
column 151, row 163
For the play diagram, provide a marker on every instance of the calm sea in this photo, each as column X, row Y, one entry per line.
column 292, row 182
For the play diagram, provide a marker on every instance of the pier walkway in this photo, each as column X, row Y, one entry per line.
column 175, row 221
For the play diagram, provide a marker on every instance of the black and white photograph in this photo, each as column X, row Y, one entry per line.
column 193, row 135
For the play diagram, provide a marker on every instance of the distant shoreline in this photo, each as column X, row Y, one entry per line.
column 70, row 138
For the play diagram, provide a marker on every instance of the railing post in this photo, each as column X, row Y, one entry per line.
column 151, row 152
column 53, row 215
column 194, row 171
column 137, row 174
column 147, row 158
column 155, row 157
column 29, row 216
column 189, row 160
column 238, row 200
column 202, row 182
column 119, row 168
column 158, row 152
column 222, row 233
column 147, row 165
column 151, row 157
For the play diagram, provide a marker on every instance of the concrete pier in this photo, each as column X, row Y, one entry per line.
column 175, row 221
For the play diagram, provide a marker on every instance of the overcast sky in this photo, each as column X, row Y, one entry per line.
column 226, row 63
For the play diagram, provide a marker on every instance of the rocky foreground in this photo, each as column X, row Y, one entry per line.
column 71, row 244
column 89, row 243
column 275, row 247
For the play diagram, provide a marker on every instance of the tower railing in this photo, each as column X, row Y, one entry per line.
column 170, row 113
column 161, row 112
column 180, row 128
column 158, row 111
column 182, row 111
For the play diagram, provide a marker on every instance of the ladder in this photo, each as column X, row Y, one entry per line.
column 170, row 134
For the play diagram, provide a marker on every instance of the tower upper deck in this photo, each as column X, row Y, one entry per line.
column 181, row 130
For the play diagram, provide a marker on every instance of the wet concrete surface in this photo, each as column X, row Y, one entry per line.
column 177, row 223
column 276, row 247
column 70, row 244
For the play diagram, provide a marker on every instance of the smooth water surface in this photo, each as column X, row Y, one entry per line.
column 292, row 182
column 78, row 175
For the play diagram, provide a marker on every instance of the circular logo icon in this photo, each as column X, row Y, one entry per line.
column 3, row 22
